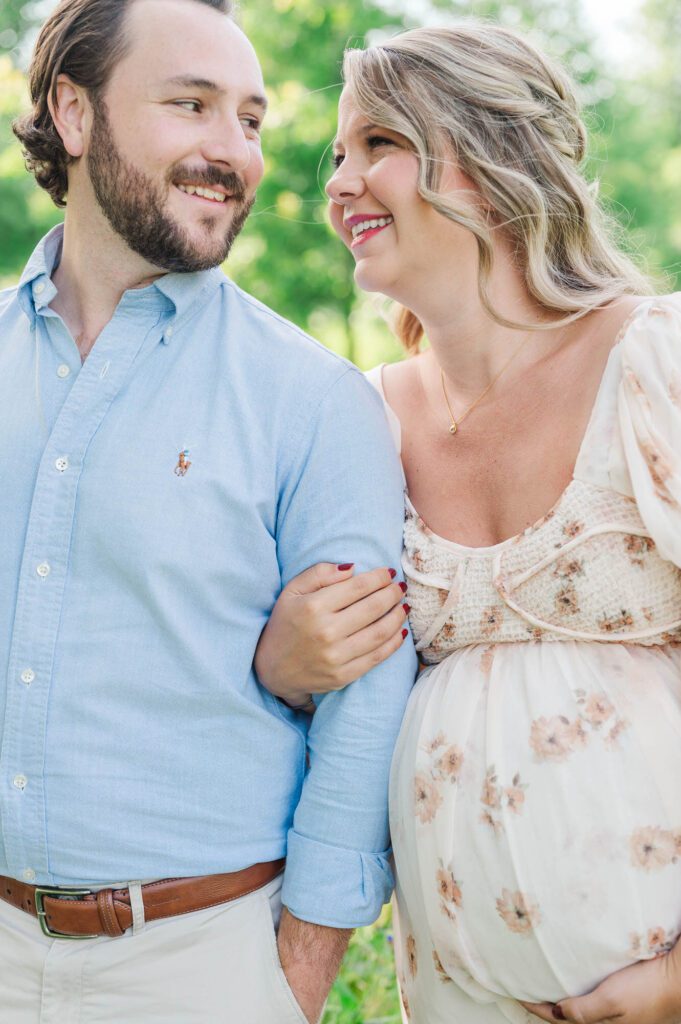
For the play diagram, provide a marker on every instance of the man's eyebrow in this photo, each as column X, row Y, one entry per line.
column 206, row 85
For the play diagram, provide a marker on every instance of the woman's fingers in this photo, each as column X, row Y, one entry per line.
column 380, row 631
column 370, row 610
column 544, row 1011
column 347, row 592
column 319, row 576
column 358, row 667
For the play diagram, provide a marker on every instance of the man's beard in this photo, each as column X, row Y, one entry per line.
column 134, row 205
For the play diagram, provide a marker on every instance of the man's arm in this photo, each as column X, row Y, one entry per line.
column 310, row 955
column 344, row 503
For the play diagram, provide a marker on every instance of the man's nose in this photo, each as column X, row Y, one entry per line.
column 227, row 145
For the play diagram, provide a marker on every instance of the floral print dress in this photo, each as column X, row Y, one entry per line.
column 536, row 785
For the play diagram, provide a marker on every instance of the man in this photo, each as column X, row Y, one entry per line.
column 173, row 453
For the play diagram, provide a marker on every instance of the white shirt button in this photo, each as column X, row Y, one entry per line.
column 28, row 875
column 27, row 676
column 169, row 332
column 63, row 371
column 39, row 288
column 43, row 570
column 19, row 781
column 62, row 463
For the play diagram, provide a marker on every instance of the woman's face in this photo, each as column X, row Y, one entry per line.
column 395, row 236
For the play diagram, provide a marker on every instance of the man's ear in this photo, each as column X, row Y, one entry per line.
column 70, row 109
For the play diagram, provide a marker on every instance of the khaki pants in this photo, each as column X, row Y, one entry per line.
column 217, row 966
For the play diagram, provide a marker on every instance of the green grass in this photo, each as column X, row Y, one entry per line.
column 366, row 991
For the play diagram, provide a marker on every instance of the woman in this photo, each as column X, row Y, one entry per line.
column 535, row 801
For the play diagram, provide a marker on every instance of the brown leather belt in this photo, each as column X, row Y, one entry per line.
column 78, row 913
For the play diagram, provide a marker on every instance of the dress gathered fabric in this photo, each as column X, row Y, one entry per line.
column 535, row 794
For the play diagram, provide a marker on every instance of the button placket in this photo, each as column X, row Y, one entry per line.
column 40, row 597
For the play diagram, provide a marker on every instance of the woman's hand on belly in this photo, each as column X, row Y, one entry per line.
column 645, row 993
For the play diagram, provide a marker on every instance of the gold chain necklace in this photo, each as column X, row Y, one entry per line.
column 454, row 423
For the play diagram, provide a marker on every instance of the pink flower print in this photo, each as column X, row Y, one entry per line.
column 615, row 732
column 580, row 736
column 491, row 793
column 652, row 848
column 488, row 819
column 637, row 548
column 598, row 709
column 515, row 795
column 567, row 600
column 439, row 969
column 614, row 623
column 448, row 887
column 491, row 621
column 635, row 384
column 675, row 389
column 417, row 560
column 448, row 631
column 518, row 912
column 487, row 660
column 412, row 960
column 655, row 944
column 403, row 997
column 554, row 739
column 567, row 568
column 660, row 471
column 427, row 798
column 450, row 762
column 435, row 744
column 573, row 528
column 656, row 937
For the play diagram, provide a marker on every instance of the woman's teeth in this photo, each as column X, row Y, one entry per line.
column 205, row 193
column 366, row 225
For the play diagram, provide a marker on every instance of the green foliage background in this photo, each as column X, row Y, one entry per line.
column 287, row 255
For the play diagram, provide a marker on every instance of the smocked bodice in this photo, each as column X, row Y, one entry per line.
column 592, row 568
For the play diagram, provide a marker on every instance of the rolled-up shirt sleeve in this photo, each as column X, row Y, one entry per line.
column 345, row 503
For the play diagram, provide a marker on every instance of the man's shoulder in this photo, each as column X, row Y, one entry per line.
column 7, row 297
column 278, row 337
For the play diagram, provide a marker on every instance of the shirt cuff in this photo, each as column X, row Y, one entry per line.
column 334, row 886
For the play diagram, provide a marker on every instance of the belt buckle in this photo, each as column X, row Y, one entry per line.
column 43, row 890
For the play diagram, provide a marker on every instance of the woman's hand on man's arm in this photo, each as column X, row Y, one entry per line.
column 328, row 628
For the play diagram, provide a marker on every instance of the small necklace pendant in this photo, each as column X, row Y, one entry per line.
column 453, row 429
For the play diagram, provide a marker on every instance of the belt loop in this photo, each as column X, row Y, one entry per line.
column 107, row 914
column 137, row 905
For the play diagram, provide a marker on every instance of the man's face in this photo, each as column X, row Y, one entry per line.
column 180, row 116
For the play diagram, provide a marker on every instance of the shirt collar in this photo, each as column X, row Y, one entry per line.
column 176, row 294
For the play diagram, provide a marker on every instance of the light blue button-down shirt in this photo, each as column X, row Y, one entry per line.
column 136, row 741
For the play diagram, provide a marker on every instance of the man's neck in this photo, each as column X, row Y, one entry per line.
column 95, row 270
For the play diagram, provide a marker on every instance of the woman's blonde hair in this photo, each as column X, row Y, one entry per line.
column 509, row 117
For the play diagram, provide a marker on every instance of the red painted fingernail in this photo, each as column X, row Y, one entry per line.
column 558, row 1013
column 393, row 573
column 407, row 608
column 403, row 588
column 405, row 634
column 345, row 566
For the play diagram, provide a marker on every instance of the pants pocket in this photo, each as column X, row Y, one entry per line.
column 282, row 991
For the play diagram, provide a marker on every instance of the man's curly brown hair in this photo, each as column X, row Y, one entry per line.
column 83, row 39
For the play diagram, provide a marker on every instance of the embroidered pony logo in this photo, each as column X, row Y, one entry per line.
column 183, row 465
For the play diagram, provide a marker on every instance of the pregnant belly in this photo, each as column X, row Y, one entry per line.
column 536, row 814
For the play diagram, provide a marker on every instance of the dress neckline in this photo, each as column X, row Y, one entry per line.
column 488, row 549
